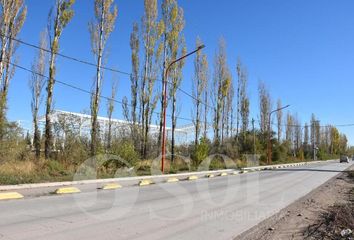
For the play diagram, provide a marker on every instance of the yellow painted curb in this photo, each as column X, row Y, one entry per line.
column 10, row 195
column 67, row 190
column 223, row 174
column 193, row 178
column 145, row 182
column 210, row 175
column 172, row 180
column 111, row 186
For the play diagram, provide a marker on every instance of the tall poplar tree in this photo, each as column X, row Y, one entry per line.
column 60, row 15
column 289, row 133
column 36, row 84
column 244, row 101
column 12, row 17
column 100, row 28
column 222, row 82
column 110, row 110
column 134, row 78
column 306, row 139
column 229, row 110
column 264, row 107
column 150, row 34
column 199, row 85
column 175, row 48
column 206, row 96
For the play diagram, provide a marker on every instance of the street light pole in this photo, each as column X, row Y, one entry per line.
column 254, row 138
column 269, row 160
column 163, row 145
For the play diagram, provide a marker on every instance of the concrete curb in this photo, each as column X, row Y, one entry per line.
column 179, row 176
column 10, row 195
column 111, row 186
column 67, row 190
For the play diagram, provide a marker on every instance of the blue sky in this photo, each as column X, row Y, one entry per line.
column 303, row 50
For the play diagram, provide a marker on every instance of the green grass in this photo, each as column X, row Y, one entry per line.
column 33, row 171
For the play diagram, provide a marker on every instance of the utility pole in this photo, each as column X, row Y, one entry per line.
column 254, row 138
column 269, row 133
column 163, row 145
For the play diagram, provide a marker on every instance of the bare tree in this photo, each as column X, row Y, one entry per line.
column 134, row 78
column 36, row 84
column 222, row 82
column 206, row 96
column 264, row 106
column 297, row 134
column 315, row 132
column 244, row 101
column 238, row 97
column 110, row 110
column 289, row 133
column 56, row 24
column 229, row 110
column 306, row 138
column 199, row 83
column 100, row 29
column 12, row 16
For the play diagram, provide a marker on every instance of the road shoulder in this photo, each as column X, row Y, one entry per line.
column 294, row 221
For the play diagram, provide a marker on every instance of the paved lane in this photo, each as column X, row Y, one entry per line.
column 218, row 208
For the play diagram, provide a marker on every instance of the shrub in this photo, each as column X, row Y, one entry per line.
column 55, row 168
column 279, row 153
column 126, row 151
column 217, row 163
column 17, row 172
column 201, row 152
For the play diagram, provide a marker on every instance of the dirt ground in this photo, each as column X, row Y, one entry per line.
column 309, row 217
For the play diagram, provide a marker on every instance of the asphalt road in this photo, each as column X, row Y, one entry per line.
column 217, row 208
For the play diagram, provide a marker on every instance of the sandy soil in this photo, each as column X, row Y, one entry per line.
column 293, row 221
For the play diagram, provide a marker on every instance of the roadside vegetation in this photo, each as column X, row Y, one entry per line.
column 337, row 222
column 220, row 94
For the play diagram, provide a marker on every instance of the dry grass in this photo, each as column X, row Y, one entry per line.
column 18, row 168
column 336, row 219
column 33, row 171
column 331, row 223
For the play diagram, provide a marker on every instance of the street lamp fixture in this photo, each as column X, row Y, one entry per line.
column 163, row 145
column 269, row 133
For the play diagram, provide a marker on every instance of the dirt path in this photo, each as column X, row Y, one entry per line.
column 294, row 221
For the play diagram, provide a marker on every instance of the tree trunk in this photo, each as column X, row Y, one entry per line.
column 163, row 93
column 48, row 124
column 95, row 102
column 205, row 112
column 36, row 135
column 2, row 68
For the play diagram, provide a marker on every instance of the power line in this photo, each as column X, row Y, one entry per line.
column 101, row 67
column 128, row 74
column 87, row 91
column 309, row 125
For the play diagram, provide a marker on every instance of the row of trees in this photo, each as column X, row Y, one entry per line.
column 220, row 102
